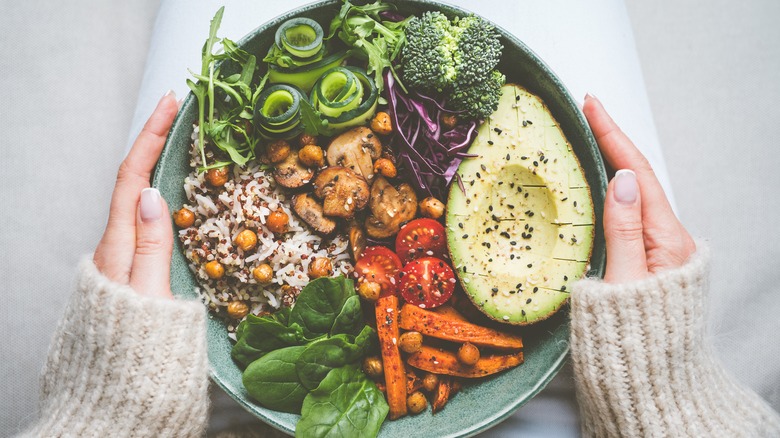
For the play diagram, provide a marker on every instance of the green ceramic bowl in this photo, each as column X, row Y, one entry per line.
column 480, row 405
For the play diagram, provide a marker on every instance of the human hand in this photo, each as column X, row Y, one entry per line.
column 643, row 235
column 137, row 244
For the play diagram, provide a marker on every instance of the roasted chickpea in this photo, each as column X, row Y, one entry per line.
column 410, row 342
column 311, row 156
column 468, row 354
column 277, row 222
column 369, row 290
column 278, row 151
column 449, row 120
column 381, row 123
column 430, row 381
column 184, row 218
column 431, row 207
column 320, row 267
column 237, row 309
column 305, row 139
column 246, row 240
column 215, row 270
column 218, row 176
column 263, row 273
column 385, row 167
column 372, row 366
column 416, row 402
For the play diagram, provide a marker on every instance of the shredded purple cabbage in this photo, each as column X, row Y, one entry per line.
column 391, row 16
column 427, row 155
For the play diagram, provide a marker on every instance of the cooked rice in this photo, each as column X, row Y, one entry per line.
column 245, row 201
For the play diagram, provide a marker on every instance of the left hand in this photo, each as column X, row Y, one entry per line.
column 137, row 244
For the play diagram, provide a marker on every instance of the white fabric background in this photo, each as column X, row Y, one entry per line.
column 73, row 72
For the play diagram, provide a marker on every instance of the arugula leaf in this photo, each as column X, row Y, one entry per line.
column 226, row 101
column 345, row 404
column 313, row 123
column 379, row 41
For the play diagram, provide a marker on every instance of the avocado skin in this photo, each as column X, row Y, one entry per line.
column 523, row 231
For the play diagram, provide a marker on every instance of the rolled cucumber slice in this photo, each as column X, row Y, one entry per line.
column 301, row 37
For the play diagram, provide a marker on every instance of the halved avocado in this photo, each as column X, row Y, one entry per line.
column 523, row 231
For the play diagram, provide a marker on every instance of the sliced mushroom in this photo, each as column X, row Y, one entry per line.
column 291, row 173
column 342, row 190
column 390, row 208
column 356, row 149
column 357, row 240
column 310, row 211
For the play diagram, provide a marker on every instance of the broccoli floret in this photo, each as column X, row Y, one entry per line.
column 456, row 58
column 479, row 50
column 428, row 55
column 479, row 99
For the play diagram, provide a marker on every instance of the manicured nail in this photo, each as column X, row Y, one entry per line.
column 589, row 96
column 151, row 207
column 626, row 187
column 170, row 93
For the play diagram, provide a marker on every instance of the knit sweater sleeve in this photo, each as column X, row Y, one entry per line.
column 642, row 367
column 121, row 364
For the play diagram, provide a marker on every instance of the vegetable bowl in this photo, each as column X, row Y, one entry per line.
column 477, row 406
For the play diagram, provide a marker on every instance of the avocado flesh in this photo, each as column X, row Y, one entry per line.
column 523, row 232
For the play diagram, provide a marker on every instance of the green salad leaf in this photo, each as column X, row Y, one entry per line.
column 260, row 335
column 320, row 303
column 378, row 41
column 322, row 356
column 290, row 355
column 272, row 380
column 226, row 101
column 345, row 404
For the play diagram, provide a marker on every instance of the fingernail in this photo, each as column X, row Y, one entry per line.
column 170, row 93
column 151, row 207
column 626, row 187
column 589, row 96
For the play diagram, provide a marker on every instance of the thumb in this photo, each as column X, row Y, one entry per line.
column 150, row 273
column 626, row 258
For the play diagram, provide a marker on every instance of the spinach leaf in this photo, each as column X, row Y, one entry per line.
column 346, row 404
column 260, row 335
column 319, row 303
column 320, row 357
column 350, row 319
column 273, row 382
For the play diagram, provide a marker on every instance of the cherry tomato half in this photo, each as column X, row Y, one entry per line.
column 380, row 265
column 427, row 282
column 421, row 238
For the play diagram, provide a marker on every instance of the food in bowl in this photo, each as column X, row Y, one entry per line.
column 316, row 212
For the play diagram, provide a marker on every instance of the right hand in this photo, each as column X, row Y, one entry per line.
column 642, row 232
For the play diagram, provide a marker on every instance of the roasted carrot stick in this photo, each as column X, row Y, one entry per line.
column 439, row 361
column 446, row 327
column 448, row 310
column 395, row 371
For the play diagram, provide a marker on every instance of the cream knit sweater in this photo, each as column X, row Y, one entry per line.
column 642, row 367
column 125, row 365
